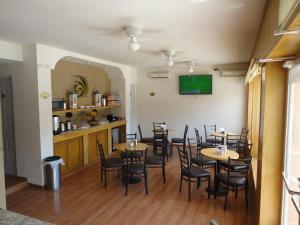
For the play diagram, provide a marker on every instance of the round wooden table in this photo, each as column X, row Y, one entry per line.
column 124, row 146
column 213, row 153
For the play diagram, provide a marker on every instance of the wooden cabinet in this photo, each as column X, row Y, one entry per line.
column 101, row 136
column 71, row 152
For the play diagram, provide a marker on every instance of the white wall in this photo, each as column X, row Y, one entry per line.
column 226, row 107
column 2, row 180
column 11, row 51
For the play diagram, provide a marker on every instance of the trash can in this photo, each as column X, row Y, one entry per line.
column 52, row 172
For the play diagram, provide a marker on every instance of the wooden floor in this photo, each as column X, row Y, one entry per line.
column 82, row 200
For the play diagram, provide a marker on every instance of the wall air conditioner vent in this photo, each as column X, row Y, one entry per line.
column 159, row 75
column 233, row 73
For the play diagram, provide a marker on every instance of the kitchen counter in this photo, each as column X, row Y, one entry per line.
column 79, row 148
column 11, row 218
column 85, row 131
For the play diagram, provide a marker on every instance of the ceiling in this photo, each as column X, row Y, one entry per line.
column 213, row 31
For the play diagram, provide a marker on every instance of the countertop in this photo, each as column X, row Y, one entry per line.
column 11, row 218
column 85, row 131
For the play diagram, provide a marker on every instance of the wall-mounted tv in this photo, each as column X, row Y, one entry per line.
column 195, row 84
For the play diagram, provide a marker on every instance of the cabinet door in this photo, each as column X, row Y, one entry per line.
column 102, row 138
column 93, row 154
column 122, row 133
column 75, row 154
column 61, row 149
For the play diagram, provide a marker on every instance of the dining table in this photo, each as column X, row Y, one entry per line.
column 214, row 153
column 132, row 147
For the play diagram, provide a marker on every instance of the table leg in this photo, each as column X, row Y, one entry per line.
column 217, row 190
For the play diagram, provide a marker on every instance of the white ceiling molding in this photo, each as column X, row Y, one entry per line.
column 253, row 71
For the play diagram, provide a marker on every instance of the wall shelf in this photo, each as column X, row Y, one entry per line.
column 85, row 109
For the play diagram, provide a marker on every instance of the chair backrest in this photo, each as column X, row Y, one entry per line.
column 161, row 142
column 140, row 132
column 185, row 133
column 157, row 125
column 131, row 158
column 198, row 138
column 192, row 144
column 184, row 159
column 244, row 135
column 101, row 152
column 208, row 129
column 242, row 144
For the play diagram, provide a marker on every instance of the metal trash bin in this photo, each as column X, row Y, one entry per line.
column 52, row 166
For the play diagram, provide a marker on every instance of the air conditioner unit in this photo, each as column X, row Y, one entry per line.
column 160, row 75
column 233, row 73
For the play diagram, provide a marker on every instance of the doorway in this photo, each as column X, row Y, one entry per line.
column 6, row 94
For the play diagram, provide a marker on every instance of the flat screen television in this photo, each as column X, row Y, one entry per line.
column 195, row 84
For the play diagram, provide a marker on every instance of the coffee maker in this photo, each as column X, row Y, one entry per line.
column 56, row 124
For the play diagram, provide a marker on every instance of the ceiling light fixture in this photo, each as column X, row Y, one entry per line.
column 170, row 62
column 134, row 44
column 191, row 69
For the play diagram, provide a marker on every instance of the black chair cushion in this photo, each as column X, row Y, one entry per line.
column 154, row 159
column 147, row 140
column 238, row 180
column 113, row 162
column 234, row 165
column 213, row 140
column 177, row 140
column 207, row 145
column 196, row 171
column 202, row 160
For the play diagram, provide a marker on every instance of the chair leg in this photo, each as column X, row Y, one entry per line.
column 225, row 203
column 208, row 192
column 105, row 178
column 101, row 177
column 189, row 189
column 198, row 183
column 118, row 172
column 246, row 196
column 236, row 192
column 164, row 173
column 126, row 183
column 146, row 182
column 180, row 187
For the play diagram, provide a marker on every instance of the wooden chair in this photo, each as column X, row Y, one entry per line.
column 108, row 164
column 135, row 167
column 191, row 173
column 234, row 178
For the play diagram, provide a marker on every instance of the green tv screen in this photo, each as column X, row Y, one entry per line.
column 195, row 84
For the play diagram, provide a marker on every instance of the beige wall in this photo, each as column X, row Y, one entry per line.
column 63, row 81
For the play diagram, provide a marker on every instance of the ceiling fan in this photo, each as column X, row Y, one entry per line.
column 133, row 34
column 169, row 55
column 191, row 65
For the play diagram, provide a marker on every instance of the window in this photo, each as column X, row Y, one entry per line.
column 292, row 148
